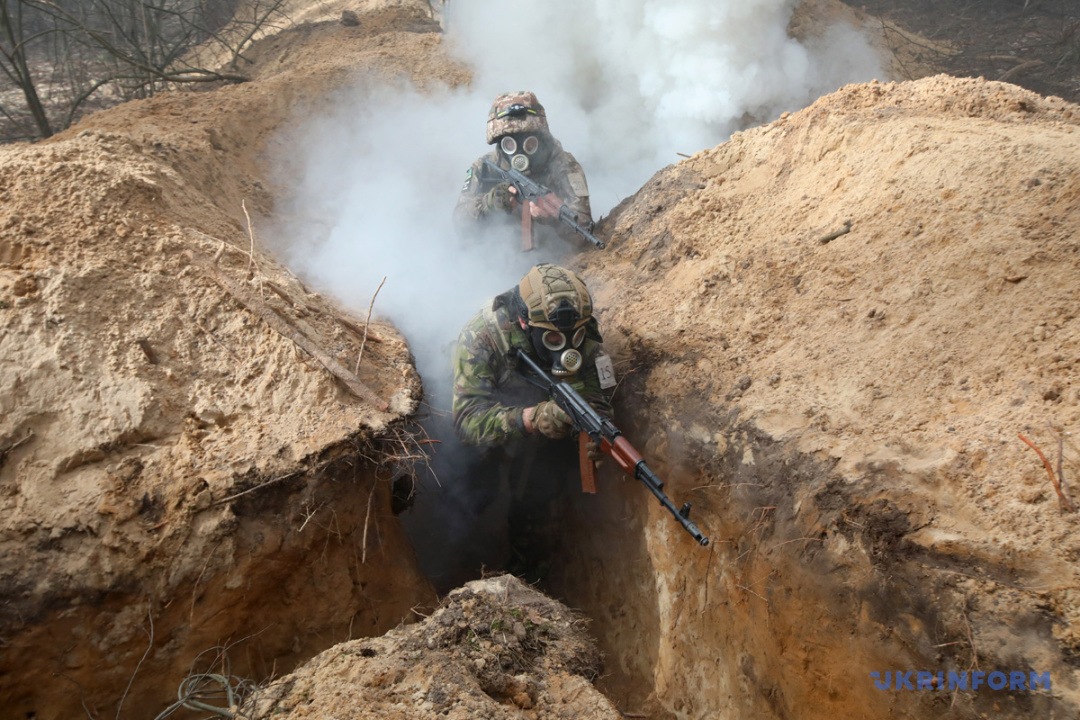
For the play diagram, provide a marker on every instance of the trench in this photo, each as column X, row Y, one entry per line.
column 811, row 582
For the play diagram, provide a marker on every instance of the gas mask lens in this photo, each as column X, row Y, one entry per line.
column 528, row 145
column 553, row 340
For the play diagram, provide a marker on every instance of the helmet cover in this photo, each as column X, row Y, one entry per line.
column 515, row 112
column 554, row 298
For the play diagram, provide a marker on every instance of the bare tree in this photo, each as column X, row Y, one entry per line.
column 135, row 48
column 14, row 40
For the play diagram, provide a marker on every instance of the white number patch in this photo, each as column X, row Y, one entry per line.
column 577, row 183
column 606, row 371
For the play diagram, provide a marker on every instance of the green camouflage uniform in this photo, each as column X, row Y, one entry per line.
column 562, row 175
column 489, row 392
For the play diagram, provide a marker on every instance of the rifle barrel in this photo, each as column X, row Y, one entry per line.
column 646, row 475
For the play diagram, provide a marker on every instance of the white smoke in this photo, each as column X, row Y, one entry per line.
column 627, row 85
column 378, row 182
column 630, row 83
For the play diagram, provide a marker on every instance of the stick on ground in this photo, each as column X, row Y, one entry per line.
column 1061, row 458
column 1063, row 501
column 357, row 329
column 836, row 233
column 251, row 234
column 363, row 341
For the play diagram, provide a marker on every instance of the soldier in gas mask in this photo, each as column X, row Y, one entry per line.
column 519, row 434
column 517, row 126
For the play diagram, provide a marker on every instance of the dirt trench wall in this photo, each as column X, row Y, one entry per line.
column 830, row 331
column 145, row 409
column 168, row 452
column 810, row 584
column 283, row 574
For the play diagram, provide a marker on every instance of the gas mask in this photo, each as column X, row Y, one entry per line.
column 523, row 150
column 560, row 348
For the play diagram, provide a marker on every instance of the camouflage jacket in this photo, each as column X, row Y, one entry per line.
column 489, row 392
column 562, row 175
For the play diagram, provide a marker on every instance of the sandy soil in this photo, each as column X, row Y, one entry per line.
column 172, row 442
column 842, row 321
column 831, row 329
column 495, row 648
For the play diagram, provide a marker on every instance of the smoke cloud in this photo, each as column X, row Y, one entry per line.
column 627, row 85
column 630, row 83
column 379, row 179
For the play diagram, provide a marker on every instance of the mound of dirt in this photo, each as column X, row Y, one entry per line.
column 495, row 648
column 832, row 329
column 190, row 445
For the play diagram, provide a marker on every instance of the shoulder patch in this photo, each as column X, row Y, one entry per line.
column 577, row 182
column 497, row 333
column 468, row 181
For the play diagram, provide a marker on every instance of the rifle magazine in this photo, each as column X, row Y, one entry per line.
column 588, row 469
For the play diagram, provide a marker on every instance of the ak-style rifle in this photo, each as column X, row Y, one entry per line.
column 602, row 431
column 531, row 191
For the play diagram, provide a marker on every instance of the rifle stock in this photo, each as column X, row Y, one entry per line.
column 603, row 431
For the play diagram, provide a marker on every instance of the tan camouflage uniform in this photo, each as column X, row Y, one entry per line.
column 489, row 392
column 560, row 173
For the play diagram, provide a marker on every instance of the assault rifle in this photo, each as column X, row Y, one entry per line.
column 602, row 430
column 531, row 191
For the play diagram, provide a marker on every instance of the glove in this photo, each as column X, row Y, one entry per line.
column 499, row 198
column 592, row 450
column 546, row 209
column 550, row 420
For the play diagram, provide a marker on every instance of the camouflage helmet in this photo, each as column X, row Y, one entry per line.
column 554, row 298
column 516, row 112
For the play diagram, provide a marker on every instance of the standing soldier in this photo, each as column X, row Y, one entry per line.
column 520, row 434
column 517, row 126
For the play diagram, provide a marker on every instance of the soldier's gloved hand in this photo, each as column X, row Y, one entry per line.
column 546, row 208
column 499, row 198
column 550, row 420
column 592, row 450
